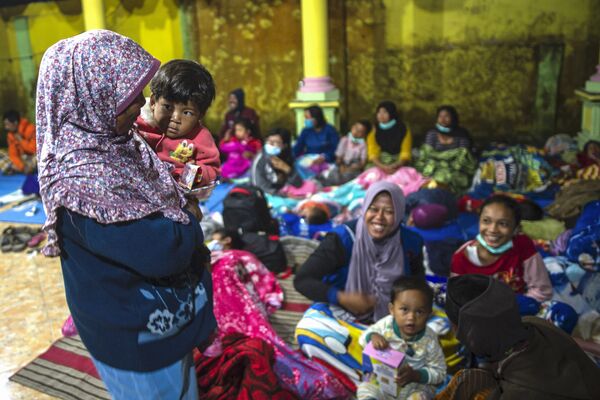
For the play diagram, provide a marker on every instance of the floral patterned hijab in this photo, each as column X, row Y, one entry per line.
column 84, row 165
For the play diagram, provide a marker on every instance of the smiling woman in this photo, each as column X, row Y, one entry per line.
column 353, row 271
column 511, row 257
column 356, row 264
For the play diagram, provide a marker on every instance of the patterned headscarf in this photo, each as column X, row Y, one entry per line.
column 374, row 266
column 84, row 165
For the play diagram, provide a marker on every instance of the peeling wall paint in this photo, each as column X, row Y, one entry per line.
column 480, row 55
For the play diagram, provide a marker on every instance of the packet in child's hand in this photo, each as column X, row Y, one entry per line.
column 188, row 175
column 385, row 365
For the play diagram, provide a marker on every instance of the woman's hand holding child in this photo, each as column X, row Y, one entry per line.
column 192, row 206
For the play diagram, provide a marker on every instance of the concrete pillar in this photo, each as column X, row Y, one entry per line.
column 590, row 95
column 93, row 14
column 26, row 63
column 316, row 87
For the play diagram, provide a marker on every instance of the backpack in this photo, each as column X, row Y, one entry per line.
column 267, row 249
column 245, row 210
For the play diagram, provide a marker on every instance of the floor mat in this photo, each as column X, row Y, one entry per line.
column 29, row 212
column 66, row 371
column 10, row 183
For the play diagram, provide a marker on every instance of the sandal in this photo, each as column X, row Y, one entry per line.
column 6, row 240
column 36, row 239
column 15, row 238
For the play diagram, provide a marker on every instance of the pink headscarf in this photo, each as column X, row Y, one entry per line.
column 84, row 165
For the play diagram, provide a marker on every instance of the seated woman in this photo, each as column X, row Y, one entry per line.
column 504, row 253
column 237, row 109
column 20, row 137
column 448, row 134
column 316, row 144
column 239, row 149
column 390, row 147
column 531, row 359
column 356, row 263
column 274, row 168
column 446, row 156
column 590, row 155
column 352, row 271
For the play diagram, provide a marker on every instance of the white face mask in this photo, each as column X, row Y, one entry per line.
column 214, row 245
column 272, row 150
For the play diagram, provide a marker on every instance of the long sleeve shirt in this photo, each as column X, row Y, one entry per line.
column 270, row 180
column 197, row 147
column 323, row 142
column 23, row 144
column 138, row 292
column 427, row 356
column 325, row 272
column 521, row 267
column 374, row 150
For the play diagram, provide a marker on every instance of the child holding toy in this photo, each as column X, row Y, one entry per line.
column 405, row 330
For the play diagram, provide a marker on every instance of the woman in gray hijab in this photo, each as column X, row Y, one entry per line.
column 350, row 276
column 355, row 265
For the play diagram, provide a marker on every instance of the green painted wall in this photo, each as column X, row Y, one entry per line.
column 480, row 55
column 483, row 56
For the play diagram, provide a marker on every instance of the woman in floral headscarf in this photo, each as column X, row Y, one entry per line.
column 133, row 269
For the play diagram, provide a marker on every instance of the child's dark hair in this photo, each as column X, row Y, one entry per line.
column 317, row 216
column 12, row 116
column 530, row 210
column 366, row 124
column 405, row 283
column 316, row 112
column 246, row 123
column 182, row 81
column 236, row 240
column 507, row 202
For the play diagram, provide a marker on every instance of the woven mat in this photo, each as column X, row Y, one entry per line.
column 66, row 371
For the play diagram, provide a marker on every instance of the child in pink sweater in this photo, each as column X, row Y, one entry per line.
column 240, row 149
column 182, row 91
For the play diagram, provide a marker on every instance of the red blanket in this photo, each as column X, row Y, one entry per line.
column 243, row 372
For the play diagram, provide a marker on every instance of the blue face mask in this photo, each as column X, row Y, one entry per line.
column 214, row 245
column 442, row 128
column 271, row 150
column 387, row 125
column 354, row 139
column 309, row 123
column 495, row 250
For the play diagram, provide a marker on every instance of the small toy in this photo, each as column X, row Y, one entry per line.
column 385, row 366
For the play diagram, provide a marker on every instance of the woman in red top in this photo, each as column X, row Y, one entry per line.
column 502, row 252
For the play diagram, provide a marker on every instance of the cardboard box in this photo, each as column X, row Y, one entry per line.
column 385, row 366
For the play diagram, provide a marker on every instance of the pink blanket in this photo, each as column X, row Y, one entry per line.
column 407, row 178
column 245, row 292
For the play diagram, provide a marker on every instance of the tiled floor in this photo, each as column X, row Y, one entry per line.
column 32, row 310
